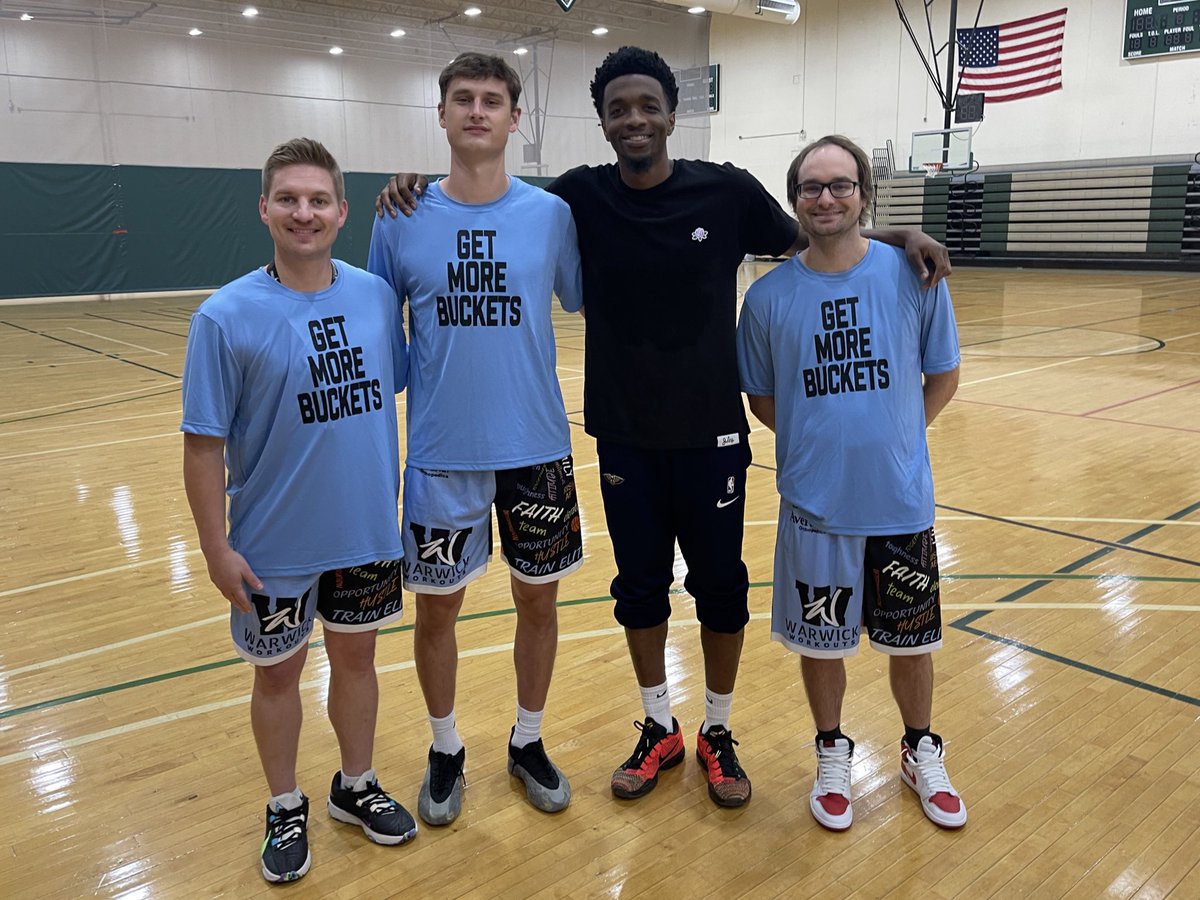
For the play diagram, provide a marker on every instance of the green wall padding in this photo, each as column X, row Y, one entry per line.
column 73, row 229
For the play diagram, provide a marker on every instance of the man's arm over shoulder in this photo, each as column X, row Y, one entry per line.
column 929, row 259
column 770, row 229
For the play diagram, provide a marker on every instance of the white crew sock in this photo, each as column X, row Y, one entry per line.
column 445, row 735
column 656, row 701
column 716, row 709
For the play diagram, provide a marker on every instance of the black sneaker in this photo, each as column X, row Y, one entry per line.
column 367, row 805
column 285, row 855
column 545, row 785
column 440, row 799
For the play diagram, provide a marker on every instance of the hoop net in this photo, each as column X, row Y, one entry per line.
column 932, row 169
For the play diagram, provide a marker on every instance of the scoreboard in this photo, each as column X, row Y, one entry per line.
column 1159, row 27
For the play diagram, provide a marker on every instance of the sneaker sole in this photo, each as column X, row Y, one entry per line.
column 950, row 824
column 540, row 796
column 440, row 814
column 650, row 783
column 289, row 876
column 388, row 840
column 716, row 798
column 827, row 823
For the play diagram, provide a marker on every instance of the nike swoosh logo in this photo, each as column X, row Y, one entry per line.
column 721, row 504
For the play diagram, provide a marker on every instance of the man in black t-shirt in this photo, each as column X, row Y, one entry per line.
column 661, row 242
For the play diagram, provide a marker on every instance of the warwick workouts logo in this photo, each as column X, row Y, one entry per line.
column 565, row 5
column 439, row 546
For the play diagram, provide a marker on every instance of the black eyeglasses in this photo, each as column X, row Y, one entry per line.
column 812, row 190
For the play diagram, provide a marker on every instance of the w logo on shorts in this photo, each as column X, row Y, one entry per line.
column 441, row 546
column 823, row 605
column 286, row 615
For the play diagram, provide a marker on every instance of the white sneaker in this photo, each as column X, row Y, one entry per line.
column 924, row 770
column 829, row 801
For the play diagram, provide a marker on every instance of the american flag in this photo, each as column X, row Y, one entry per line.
column 1014, row 60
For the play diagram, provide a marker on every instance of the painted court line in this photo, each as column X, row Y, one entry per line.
column 157, row 392
column 78, row 447
column 113, row 340
column 1177, row 387
column 116, row 645
column 64, row 427
column 98, row 573
column 1053, row 365
column 51, row 748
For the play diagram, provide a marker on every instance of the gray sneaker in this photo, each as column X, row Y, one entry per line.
column 440, row 799
column 545, row 784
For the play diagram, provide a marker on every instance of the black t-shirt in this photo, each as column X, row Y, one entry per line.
column 660, row 293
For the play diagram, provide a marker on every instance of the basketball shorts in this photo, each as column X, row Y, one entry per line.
column 356, row 598
column 696, row 496
column 828, row 587
column 447, row 528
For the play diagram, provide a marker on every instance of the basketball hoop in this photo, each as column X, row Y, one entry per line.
column 932, row 169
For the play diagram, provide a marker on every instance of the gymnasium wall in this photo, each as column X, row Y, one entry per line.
column 848, row 66
column 101, row 95
column 129, row 160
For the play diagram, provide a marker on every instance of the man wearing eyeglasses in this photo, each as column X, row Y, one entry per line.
column 848, row 358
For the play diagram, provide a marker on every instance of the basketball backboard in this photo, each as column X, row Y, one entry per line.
column 950, row 147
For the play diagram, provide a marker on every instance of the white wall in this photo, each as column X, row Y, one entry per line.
column 848, row 66
column 104, row 95
column 87, row 94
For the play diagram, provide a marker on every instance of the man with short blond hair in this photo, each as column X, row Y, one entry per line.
column 289, row 382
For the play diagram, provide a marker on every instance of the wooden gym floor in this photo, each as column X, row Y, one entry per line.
column 1068, row 690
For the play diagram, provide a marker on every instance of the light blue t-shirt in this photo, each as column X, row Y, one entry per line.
column 483, row 391
column 302, row 388
column 842, row 354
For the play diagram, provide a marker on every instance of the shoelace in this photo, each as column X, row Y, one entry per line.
column 833, row 771
column 286, row 827
column 645, row 745
column 933, row 772
column 375, row 800
column 723, row 740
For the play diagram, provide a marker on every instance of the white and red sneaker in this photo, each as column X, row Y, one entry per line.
column 924, row 770
column 829, row 801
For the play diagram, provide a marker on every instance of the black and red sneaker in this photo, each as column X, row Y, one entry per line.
column 656, row 750
column 727, row 781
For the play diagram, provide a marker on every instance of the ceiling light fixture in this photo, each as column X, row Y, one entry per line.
column 336, row 51
column 696, row 10
column 26, row 17
column 249, row 12
column 520, row 51
column 195, row 32
column 472, row 11
column 399, row 32
column 599, row 31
